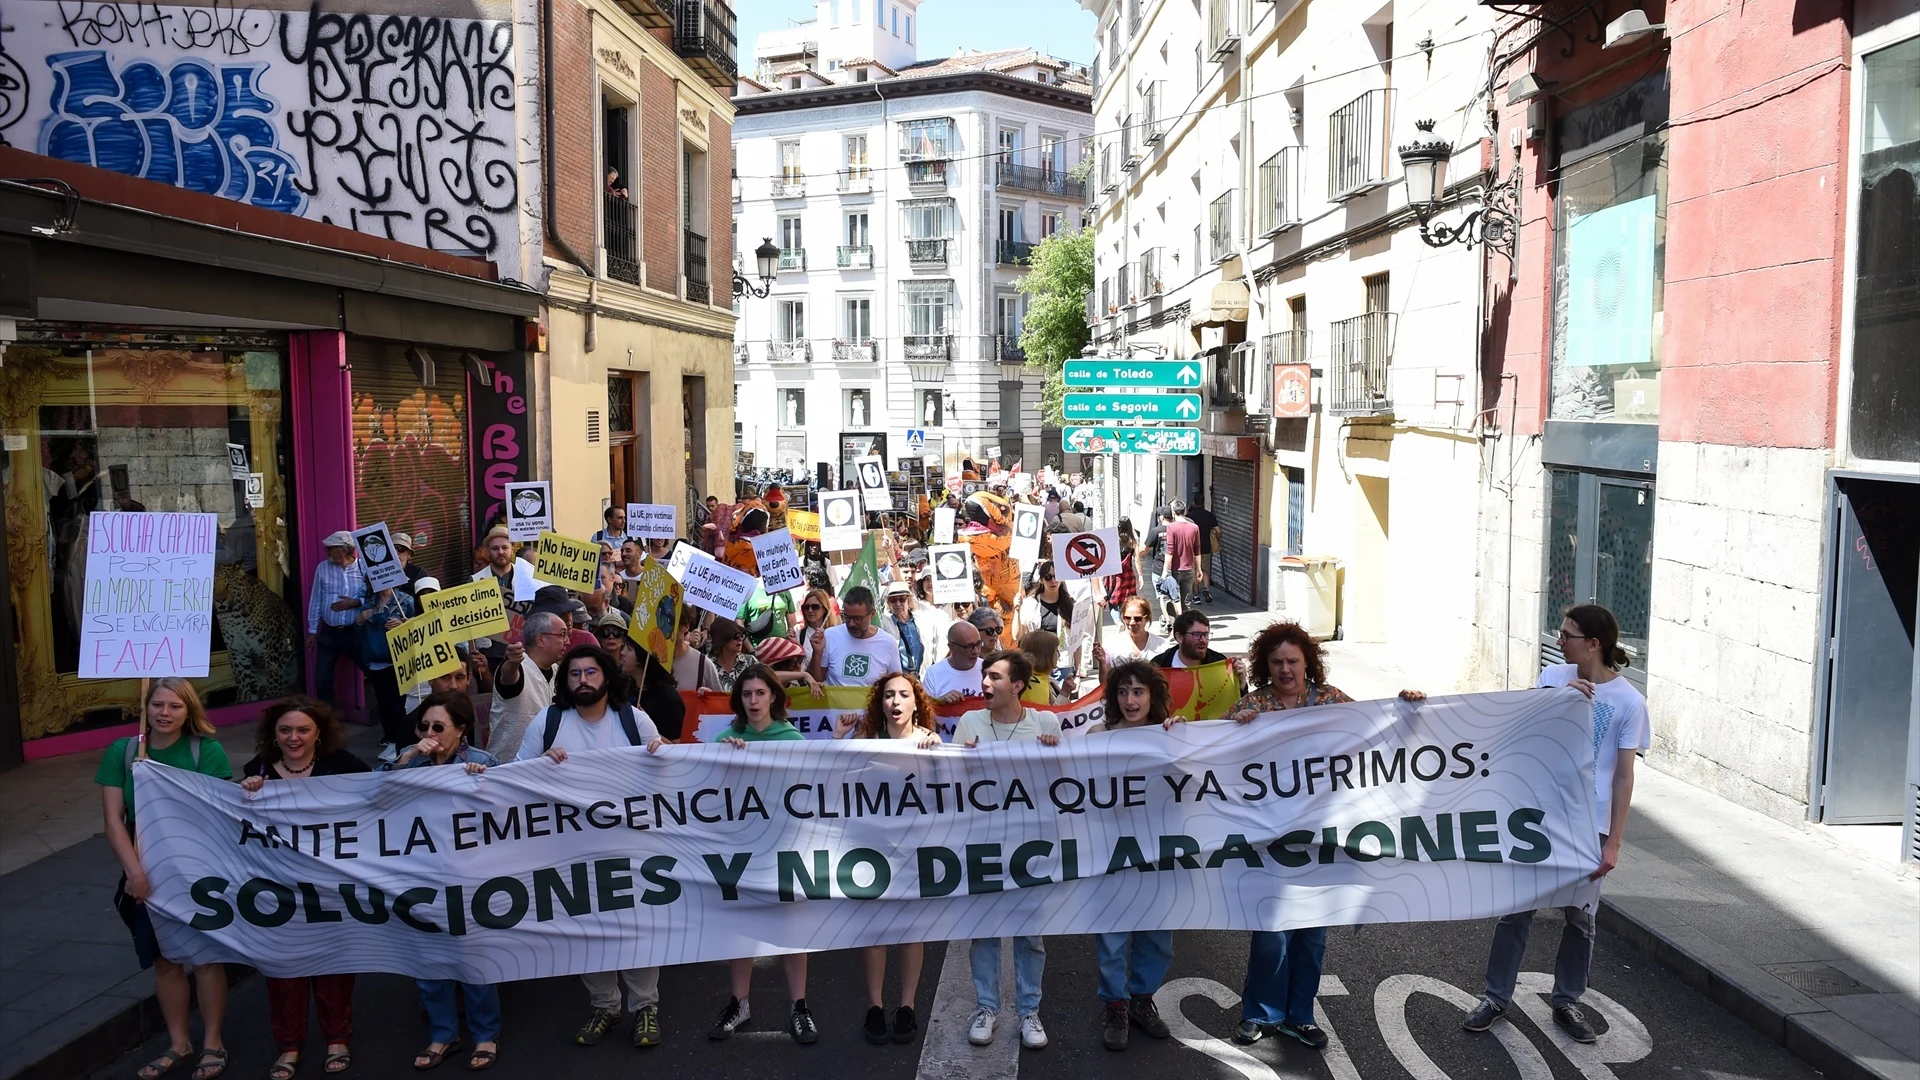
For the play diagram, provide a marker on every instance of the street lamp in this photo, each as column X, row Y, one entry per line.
column 1424, row 165
column 767, row 257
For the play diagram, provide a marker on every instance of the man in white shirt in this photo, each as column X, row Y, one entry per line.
column 855, row 653
column 957, row 676
column 524, row 686
column 581, row 719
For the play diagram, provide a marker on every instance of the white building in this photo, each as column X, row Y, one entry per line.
column 1250, row 216
column 904, row 196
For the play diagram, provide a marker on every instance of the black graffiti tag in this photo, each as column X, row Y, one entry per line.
column 219, row 26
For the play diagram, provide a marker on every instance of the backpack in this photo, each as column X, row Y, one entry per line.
column 193, row 747
column 628, row 723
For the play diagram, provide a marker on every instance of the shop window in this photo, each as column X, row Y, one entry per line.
column 1599, row 550
column 96, row 424
column 1886, row 310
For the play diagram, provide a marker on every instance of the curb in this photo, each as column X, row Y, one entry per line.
column 109, row 1037
column 1817, row 1035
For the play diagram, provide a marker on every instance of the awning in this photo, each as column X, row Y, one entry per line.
column 1226, row 303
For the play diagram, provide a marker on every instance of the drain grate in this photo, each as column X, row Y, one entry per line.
column 1817, row 980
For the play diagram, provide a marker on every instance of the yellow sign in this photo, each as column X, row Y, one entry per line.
column 656, row 610
column 473, row 610
column 422, row 649
column 804, row 524
column 568, row 563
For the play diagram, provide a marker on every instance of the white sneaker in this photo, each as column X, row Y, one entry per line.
column 1032, row 1035
column 980, row 1032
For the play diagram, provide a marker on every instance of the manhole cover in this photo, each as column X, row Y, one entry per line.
column 1817, row 980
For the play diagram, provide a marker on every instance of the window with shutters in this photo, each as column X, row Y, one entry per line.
column 410, row 452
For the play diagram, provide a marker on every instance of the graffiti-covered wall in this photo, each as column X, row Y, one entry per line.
column 398, row 124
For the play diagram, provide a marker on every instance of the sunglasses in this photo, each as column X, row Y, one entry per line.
column 811, row 607
column 1133, row 618
column 436, row 729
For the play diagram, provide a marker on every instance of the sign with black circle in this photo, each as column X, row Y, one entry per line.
column 840, row 520
column 378, row 556
column 952, row 573
column 1028, row 520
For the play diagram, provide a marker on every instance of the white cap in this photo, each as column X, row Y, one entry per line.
column 343, row 538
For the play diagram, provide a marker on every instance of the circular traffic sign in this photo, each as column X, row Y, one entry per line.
column 1085, row 553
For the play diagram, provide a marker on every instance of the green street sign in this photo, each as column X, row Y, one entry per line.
column 1109, row 440
column 1132, row 407
column 1113, row 373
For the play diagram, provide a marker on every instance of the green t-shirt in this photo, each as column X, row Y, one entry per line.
column 778, row 731
column 766, row 616
column 114, row 772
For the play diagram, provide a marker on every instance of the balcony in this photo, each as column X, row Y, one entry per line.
column 1221, row 242
column 1154, row 127
column 854, row 257
column 1008, row 348
column 798, row 351
column 1359, row 361
column 856, row 181
column 621, row 237
column 1289, row 397
column 792, row 261
column 857, row 351
column 927, row 253
column 1231, row 364
column 1046, row 180
column 742, row 354
column 1285, row 347
column 705, row 35
column 1129, row 149
column 789, row 185
column 929, row 356
column 927, row 177
column 694, row 267
column 927, row 140
column 1014, row 253
column 1280, row 207
column 1108, row 185
column 1359, row 152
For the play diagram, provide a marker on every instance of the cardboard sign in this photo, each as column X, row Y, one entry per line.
column 148, row 610
column 872, row 476
column 378, row 557
column 256, row 490
column 473, row 610
column 237, row 466
column 569, row 563
column 1028, row 521
column 678, row 558
column 841, row 521
column 943, row 524
column 422, row 649
column 1086, row 554
column 712, row 585
column 653, row 521
column 656, row 610
column 779, row 562
column 529, row 510
column 952, row 574
column 804, row 525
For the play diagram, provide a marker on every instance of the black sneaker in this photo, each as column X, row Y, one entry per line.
column 1306, row 1033
column 1249, row 1032
column 1483, row 1015
column 596, row 1027
column 1574, row 1023
column 1146, row 1016
column 800, row 1025
column 1113, row 1026
column 877, row 1026
column 735, row 1016
column 646, row 1027
column 905, row 1028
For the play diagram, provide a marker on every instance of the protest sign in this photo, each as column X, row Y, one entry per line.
column 952, row 574
column 1086, row 554
column 943, row 524
column 712, row 585
column 653, row 521
column 422, row 649
column 841, row 521
column 237, row 465
column 149, row 602
column 779, row 562
column 1385, row 811
column 1028, row 521
column 256, row 490
column 471, row 610
column 679, row 557
column 569, row 563
column 804, row 524
column 378, row 557
column 656, row 610
column 872, row 477
column 529, row 510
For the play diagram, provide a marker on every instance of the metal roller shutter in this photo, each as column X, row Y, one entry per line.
column 1234, row 504
column 410, row 453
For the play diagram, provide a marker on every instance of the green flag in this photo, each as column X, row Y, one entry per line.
column 866, row 571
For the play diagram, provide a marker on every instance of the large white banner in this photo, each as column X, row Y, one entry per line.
column 1458, row 808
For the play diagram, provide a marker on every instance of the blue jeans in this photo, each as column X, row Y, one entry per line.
column 1283, row 975
column 1572, row 964
column 1029, row 964
column 443, row 1014
column 1133, row 962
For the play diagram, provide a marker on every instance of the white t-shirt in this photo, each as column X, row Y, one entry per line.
column 979, row 725
column 852, row 661
column 508, row 718
column 577, row 735
column 1620, row 722
column 942, row 679
column 1120, row 648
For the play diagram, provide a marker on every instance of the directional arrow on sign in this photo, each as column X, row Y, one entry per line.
column 1130, row 373
column 1131, row 406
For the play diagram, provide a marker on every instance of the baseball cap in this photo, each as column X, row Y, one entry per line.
column 343, row 538
column 577, row 611
column 426, row 585
column 610, row 617
column 402, row 540
column 553, row 600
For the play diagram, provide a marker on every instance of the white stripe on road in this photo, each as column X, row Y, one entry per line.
column 944, row 1049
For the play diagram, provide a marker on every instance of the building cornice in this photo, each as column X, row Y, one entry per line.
column 907, row 86
column 616, row 299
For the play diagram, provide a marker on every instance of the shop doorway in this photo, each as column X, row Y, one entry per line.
column 1599, row 544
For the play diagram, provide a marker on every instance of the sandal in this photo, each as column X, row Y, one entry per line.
column 482, row 1060
column 431, row 1058
column 340, row 1062
column 283, row 1070
column 212, row 1063
column 162, row 1065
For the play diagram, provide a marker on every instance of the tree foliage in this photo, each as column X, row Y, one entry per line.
column 1059, row 279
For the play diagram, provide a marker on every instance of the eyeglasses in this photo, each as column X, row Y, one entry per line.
column 963, row 648
column 435, row 728
column 1198, row 635
column 1565, row 635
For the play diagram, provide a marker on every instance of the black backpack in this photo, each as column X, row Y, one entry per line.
column 628, row 723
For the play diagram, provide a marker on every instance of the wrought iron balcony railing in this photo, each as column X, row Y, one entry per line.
column 694, row 268
column 1359, row 151
column 1014, row 252
column 1359, row 363
column 927, row 252
column 621, row 237
column 854, row 257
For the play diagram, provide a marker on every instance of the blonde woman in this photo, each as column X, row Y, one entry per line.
column 816, row 613
column 174, row 731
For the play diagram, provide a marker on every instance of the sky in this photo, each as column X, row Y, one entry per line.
column 1059, row 27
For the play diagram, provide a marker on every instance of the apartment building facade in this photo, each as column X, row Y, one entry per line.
column 904, row 198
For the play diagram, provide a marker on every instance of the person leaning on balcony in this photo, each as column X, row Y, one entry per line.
column 614, row 187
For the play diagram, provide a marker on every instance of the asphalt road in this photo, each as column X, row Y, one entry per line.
column 1393, row 998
